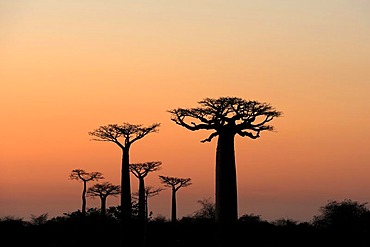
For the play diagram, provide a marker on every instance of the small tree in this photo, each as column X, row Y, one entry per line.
column 175, row 183
column 130, row 133
column 141, row 170
column 103, row 190
column 39, row 220
column 207, row 210
column 79, row 174
column 346, row 216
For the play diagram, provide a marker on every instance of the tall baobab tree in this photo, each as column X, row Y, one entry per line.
column 141, row 170
column 103, row 190
column 175, row 183
column 79, row 174
column 124, row 135
column 226, row 117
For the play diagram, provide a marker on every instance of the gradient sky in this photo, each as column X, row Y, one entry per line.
column 67, row 67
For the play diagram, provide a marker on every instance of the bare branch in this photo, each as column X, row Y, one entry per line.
column 79, row 174
column 213, row 135
column 103, row 190
column 175, row 182
column 129, row 132
column 141, row 170
column 226, row 113
column 140, row 132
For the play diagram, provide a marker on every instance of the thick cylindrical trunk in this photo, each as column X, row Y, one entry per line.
column 226, row 184
column 173, row 210
column 125, row 187
column 126, row 206
column 103, row 205
column 141, row 200
column 84, row 199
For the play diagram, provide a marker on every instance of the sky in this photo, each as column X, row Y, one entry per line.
column 68, row 67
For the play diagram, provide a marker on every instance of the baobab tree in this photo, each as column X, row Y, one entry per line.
column 79, row 174
column 103, row 190
column 141, row 170
column 129, row 133
column 226, row 117
column 150, row 191
column 175, row 183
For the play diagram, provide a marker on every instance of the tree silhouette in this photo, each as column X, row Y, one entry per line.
column 130, row 133
column 103, row 190
column 207, row 210
column 226, row 117
column 150, row 191
column 346, row 216
column 79, row 174
column 142, row 204
column 39, row 220
column 141, row 170
column 175, row 184
column 344, row 223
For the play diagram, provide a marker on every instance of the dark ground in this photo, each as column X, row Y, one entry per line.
column 98, row 232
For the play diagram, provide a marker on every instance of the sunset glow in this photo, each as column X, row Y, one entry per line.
column 68, row 67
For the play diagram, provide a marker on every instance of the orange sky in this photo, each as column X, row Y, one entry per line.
column 67, row 67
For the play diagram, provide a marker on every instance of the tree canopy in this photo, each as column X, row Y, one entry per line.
column 243, row 117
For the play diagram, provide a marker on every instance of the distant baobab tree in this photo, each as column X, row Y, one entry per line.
column 141, row 170
column 226, row 117
column 103, row 190
column 175, row 184
column 150, row 191
column 79, row 174
column 129, row 133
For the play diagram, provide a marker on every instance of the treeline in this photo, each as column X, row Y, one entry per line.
column 344, row 223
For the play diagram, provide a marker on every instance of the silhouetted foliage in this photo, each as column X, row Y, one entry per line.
column 251, row 219
column 285, row 222
column 347, row 215
column 72, row 229
column 207, row 210
column 39, row 220
column 345, row 222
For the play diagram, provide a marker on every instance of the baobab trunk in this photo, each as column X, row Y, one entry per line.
column 103, row 206
column 125, row 187
column 125, row 200
column 173, row 211
column 84, row 199
column 226, row 190
column 226, row 186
